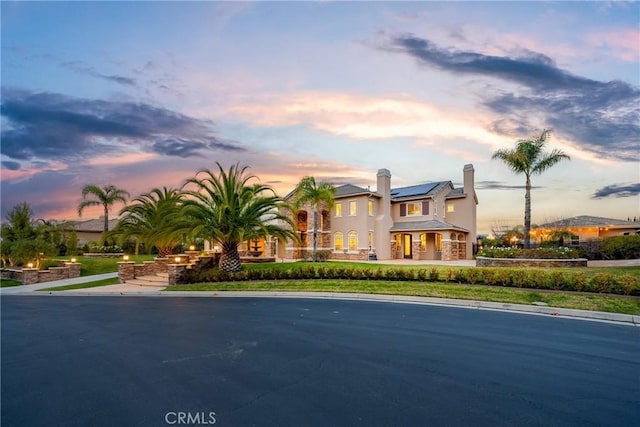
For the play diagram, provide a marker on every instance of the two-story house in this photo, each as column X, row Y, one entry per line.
column 433, row 221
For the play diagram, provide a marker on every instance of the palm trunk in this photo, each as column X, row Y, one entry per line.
column 106, row 218
column 527, row 212
column 230, row 259
column 315, row 235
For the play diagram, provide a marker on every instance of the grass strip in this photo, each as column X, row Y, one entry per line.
column 103, row 282
column 9, row 283
column 607, row 303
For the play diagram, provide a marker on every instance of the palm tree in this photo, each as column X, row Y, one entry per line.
column 229, row 210
column 309, row 192
column 153, row 219
column 103, row 196
column 528, row 158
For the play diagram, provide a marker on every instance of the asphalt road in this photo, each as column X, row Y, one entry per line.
column 143, row 361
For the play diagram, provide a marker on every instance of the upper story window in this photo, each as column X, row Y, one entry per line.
column 338, row 209
column 370, row 207
column 352, row 208
column 414, row 208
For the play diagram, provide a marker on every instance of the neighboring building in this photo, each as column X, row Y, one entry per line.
column 586, row 228
column 432, row 221
column 90, row 230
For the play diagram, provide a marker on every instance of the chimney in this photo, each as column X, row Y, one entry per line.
column 468, row 180
column 383, row 221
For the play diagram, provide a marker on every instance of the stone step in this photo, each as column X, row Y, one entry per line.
column 165, row 275
column 155, row 278
column 140, row 282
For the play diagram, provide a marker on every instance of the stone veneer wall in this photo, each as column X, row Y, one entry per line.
column 31, row 276
column 521, row 262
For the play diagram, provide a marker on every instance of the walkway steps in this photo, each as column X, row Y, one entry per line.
column 160, row 280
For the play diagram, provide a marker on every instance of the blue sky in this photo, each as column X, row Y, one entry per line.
column 144, row 94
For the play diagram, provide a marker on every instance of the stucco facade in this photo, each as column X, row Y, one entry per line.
column 421, row 222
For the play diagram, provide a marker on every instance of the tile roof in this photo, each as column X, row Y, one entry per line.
column 425, row 226
column 92, row 225
column 350, row 190
column 587, row 221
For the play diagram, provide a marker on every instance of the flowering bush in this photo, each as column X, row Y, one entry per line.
column 537, row 253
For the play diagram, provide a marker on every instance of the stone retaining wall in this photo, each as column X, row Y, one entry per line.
column 522, row 262
column 31, row 276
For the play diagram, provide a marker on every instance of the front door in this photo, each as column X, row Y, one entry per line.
column 406, row 244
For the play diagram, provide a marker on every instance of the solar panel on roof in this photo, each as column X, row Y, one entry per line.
column 414, row 190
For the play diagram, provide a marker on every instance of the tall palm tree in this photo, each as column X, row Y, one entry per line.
column 227, row 209
column 314, row 194
column 102, row 196
column 152, row 219
column 529, row 158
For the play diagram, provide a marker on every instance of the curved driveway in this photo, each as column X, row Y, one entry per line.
column 278, row 362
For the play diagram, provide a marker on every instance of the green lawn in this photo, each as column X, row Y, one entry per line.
column 608, row 303
column 104, row 282
column 8, row 283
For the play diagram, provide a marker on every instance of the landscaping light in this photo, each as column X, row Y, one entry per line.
column 125, row 257
column 73, row 260
column 192, row 248
column 30, row 265
column 177, row 259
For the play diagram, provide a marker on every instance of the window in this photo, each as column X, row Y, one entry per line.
column 450, row 208
column 338, row 241
column 352, row 208
column 414, row 209
column 338, row 209
column 353, row 241
column 370, row 207
column 423, row 242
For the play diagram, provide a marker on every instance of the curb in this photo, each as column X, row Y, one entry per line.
column 599, row 316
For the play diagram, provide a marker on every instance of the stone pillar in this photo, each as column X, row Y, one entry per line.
column 175, row 273
column 126, row 271
column 74, row 269
column 29, row 276
column 446, row 250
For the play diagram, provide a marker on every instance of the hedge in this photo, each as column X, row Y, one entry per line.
column 626, row 284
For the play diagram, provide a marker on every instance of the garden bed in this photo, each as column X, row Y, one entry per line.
column 103, row 254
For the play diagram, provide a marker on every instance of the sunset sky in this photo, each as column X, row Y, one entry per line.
column 144, row 94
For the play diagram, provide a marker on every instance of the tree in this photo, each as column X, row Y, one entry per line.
column 21, row 240
column 152, row 219
column 228, row 210
column 103, row 196
column 309, row 192
column 529, row 158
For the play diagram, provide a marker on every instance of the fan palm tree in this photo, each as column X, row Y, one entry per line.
column 228, row 210
column 314, row 194
column 153, row 218
column 102, row 196
column 529, row 158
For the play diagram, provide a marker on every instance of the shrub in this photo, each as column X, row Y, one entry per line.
column 603, row 282
column 621, row 247
column 519, row 278
column 472, row 275
column 459, row 276
column 538, row 279
column 628, row 284
column 537, row 253
column 421, row 275
column 558, row 281
column 434, row 275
